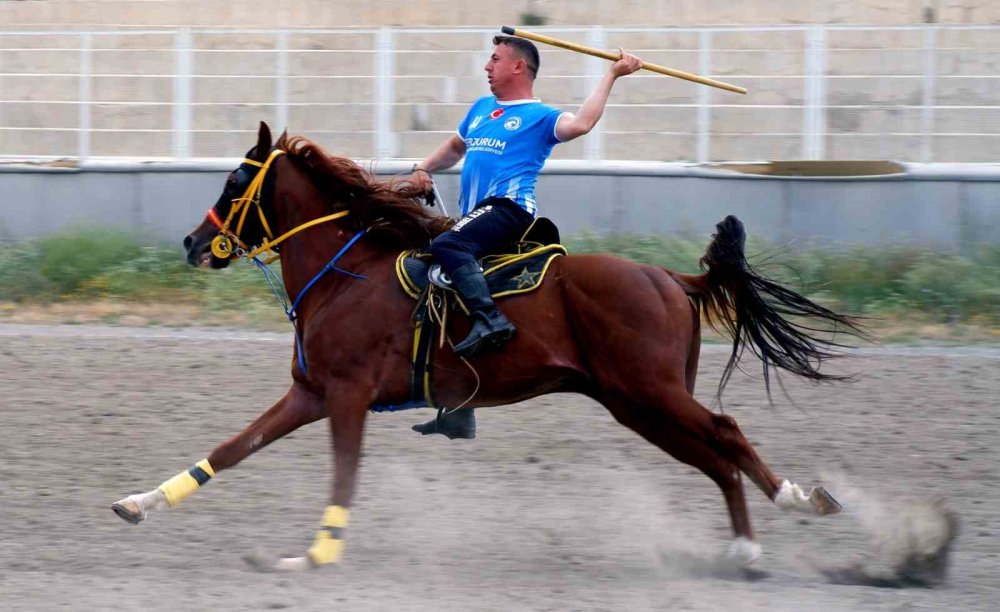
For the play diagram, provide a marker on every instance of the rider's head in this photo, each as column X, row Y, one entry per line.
column 512, row 65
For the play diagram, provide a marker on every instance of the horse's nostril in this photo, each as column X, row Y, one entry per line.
column 187, row 243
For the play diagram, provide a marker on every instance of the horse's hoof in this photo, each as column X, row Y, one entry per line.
column 259, row 562
column 790, row 497
column 294, row 564
column 129, row 510
column 744, row 551
column 823, row 502
column 267, row 565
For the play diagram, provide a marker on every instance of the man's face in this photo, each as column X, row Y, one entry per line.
column 503, row 68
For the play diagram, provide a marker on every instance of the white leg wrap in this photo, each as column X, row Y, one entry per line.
column 154, row 500
column 790, row 497
column 744, row 550
column 293, row 564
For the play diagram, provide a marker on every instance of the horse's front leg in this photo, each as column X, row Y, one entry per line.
column 347, row 413
column 297, row 408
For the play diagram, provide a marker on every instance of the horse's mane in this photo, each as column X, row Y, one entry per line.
column 392, row 211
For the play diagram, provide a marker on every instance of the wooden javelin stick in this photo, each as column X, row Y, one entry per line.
column 614, row 58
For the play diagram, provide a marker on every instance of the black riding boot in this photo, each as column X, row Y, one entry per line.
column 457, row 424
column 490, row 328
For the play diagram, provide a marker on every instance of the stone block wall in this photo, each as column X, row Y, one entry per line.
column 337, row 13
column 874, row 86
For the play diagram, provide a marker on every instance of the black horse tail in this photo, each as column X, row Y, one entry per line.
column 774, row 321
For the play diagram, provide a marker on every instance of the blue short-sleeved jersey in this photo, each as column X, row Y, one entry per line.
column 506, row 145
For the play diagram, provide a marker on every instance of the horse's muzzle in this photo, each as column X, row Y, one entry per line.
column 199, row 251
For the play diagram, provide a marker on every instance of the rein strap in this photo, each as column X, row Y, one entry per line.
column 269, row 245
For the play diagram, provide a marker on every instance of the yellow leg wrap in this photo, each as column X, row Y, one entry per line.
column 186, row 483
column 328, row 544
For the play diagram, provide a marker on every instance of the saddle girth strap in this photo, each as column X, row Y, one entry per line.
column 423, row 346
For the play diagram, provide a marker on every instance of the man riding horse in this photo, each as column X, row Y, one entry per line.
column 624, row 334
column 505, row 139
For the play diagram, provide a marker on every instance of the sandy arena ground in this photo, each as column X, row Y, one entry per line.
column 553, row 507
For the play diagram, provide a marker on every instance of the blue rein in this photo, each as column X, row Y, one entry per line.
column 291, row 312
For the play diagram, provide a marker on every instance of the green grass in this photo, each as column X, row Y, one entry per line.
column 903, row 283
column 95, row 263
column 929, row 284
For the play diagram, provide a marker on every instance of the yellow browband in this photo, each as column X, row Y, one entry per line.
column 222, row 245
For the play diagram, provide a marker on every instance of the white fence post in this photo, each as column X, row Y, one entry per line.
column 182, row 93
column 281, row 82
column 86, row 83
column 594, row 143
column 385, row 68
column 927, row 102
column 704, row 96
column 814, row 111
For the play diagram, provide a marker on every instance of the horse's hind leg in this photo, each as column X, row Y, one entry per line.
column 786, row 495
column 297, row 408
column 714, row 444
column 674, row 433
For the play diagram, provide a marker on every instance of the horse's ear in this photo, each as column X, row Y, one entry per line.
column 283, row 138
column 263, row 140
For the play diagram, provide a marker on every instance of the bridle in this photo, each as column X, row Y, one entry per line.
column 228, row 242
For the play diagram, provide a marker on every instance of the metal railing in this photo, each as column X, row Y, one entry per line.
column 912, row 93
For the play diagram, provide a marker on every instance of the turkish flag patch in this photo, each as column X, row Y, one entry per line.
column 497, row 113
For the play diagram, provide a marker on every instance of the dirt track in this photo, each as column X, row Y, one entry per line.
column 553, row 507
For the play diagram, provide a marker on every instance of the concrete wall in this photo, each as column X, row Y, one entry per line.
column 946, row 205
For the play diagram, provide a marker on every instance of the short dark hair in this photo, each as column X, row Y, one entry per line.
column 525, row 48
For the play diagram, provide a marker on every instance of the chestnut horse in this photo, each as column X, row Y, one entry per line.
column 622, row 333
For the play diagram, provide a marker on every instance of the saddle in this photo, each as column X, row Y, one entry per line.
column 519, row 271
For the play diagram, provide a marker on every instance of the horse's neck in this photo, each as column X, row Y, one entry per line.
column 304, row 254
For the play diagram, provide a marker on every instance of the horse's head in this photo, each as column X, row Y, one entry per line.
column 241, row 217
